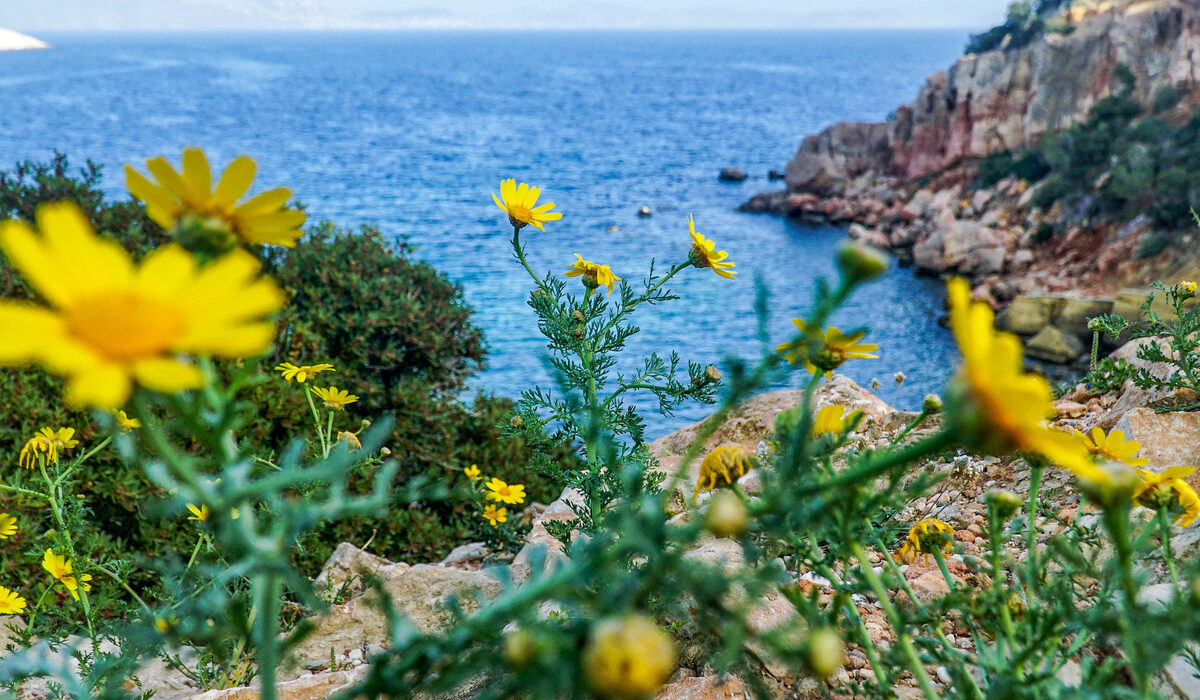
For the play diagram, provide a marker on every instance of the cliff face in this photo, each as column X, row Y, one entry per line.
column 1009, row 99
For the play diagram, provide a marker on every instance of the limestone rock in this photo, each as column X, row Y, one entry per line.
column 1028, row 315
column 732, row 175
column 347, row 569
column 312, row 687
column 1132, row 396
column 1053, row 345
column 1167, row 439
column 1074, row 314
column 704, row 688
column 539, row 543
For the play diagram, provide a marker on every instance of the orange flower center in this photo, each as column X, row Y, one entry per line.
column 124, row 326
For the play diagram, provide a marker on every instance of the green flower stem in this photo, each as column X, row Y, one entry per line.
column 55, row 499
column 1095, row 351
column 328, row 435
column 1031, row 532
column 882, row 462
column 912, row 659
column 941, row 562
column 37, row 607
column 267, row 592
column 316, row 421
column 999, row 584
column 520, row 254
column 910, row 427
column 125, row 586
column 196, row 550
column 1116, row 522
column 1164, row 527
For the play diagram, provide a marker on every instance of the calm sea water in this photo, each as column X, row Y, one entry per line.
column 412, row 131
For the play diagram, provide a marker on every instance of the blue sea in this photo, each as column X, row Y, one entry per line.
column 411, row 132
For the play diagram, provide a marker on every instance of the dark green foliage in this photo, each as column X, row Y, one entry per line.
column 1153, row 244
column 1025, row 22
column 1166, row 98
column 398, row 332
column 1053, row 189
column 1029, row 167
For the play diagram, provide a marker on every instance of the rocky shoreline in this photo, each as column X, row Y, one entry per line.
column 909, row 185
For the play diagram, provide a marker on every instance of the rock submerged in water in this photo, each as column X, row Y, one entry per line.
column 733, row 175
column 644, row 212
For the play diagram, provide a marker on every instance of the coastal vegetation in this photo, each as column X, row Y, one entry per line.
column 265, row 391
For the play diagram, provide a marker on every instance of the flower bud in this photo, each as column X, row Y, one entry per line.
column 578, row 315
column 1111, row 485
column 520, row 649
column 860, row 263
column 628, row 658
column 385, row 452
column 350, row 439
column 516, row 421
column 712, row 373
column 932, row 404
column 826, row 653
column 1005, row 502
column 365, row 423
column 899, row 377
column 726, row 515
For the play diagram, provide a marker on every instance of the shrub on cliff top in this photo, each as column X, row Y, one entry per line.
column 398, row 332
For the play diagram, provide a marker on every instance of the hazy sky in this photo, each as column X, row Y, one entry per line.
column 50, row 15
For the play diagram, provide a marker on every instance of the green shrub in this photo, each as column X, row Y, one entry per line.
column 1166, row 98
column 399, row 333
column 993, row 168
column 1050, row 191
column 1153, row 244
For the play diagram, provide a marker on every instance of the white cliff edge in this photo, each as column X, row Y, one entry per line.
column 16, row 41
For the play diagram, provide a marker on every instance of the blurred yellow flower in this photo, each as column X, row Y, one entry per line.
column 925, row 537
column 472, row 473
column 38, row 448
column 495, row 515
column 190, row 196
column 111, row 322
column 519, row 203
column 1169, row 490
column 60, row 568
column 835, row 348
column 125, row 423
column 351, row 440
column 199, row 513
column 593, row 275
column 1187, row 285
column 302, row 373
column 505, row 493
column 335, row 399
column 723, row 466
column 992, row 403
column 10, row 602
column 628, row 658
column 8, row 525
column 1112, row 447
column 704, row 254
column 830, row 420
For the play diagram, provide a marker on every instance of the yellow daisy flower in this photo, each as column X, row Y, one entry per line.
column 1188, row 286
column 199, row 513
column 111, row 322
column 628, row 658
column 125, row 423
column 472, row 473
column 836, row 348
column 302, row 373
column 335, row 399
column 38, row 448
column 519, row 203
column 703, row 254
column 723, row 466
column 926, row 536
column 1112, row 447
column 995, row 406
column 190, row 196
column 8, row 525
column 495, row 515
column 593, row 275
column 829, row 420
column 505, row 493
column 11, row 603
column 60, row 568
column 63, row 438
column 1169, row 490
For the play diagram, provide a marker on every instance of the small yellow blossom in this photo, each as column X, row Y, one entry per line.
column 628, row 658
column 38, row 448
column 125, row 423
column 925, row 537
column 830, row 420
column 472, row 473
column 704, row 254
column 164, row 625
column 63, row 438
column 993, row 405
column 834, row 348
column 60, row 568
column 505, row 493
column 111, row 322
column 10, row 602
column 190, row 197
column 1169, row 490
column 1188, row 286
column 199, row 513
column 519, row 202
column 1112, row 447
column 495, row 515
column 723, row 466
column 8, row 525
column 335, row 399
column 350, row 439
column 594, row 275
column 302, row 373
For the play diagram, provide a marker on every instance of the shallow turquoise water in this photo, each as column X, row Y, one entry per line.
column 413, row 131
